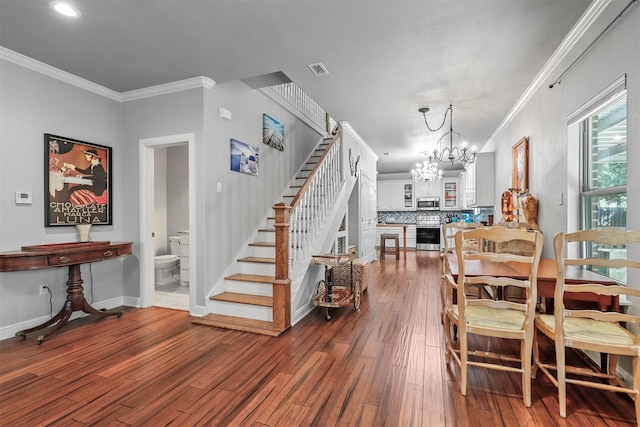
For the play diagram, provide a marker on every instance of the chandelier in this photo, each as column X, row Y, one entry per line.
column 444, row 153
column 426, row 172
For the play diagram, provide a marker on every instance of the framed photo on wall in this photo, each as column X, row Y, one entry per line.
column 272, row 132
column 244, row 157
column 77, row 182
column 520, row 167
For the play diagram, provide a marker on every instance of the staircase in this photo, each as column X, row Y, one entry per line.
column 257, row 299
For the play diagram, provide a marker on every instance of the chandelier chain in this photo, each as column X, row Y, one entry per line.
column 444, row 119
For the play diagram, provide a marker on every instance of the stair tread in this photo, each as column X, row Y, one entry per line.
column 263, row 244
column 238, row 324
column 255, row 278
column 268, row 230
column 243, row 299
column 260, row 260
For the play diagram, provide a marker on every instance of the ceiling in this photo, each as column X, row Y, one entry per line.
column 385, row 58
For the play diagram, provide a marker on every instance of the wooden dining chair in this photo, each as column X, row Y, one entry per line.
column 591, row 329
column 516, row 247
column 449, row 231
column 489, row 317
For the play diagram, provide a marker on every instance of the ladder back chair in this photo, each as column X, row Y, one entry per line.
column 488, row 317
column 449, row 231
column 591, row 329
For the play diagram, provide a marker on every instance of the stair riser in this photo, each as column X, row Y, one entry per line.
column 267, row 236
column 256, row 268
column 242, row 310
column 261, row 251
column 261, row 289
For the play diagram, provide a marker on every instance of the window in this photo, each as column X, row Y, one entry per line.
column 604, row 175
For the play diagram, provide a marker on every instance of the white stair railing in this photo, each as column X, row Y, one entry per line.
column 310, row 207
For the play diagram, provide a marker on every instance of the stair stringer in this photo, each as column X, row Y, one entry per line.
column 304, row 274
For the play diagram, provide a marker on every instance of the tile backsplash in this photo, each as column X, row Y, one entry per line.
column 409, row 217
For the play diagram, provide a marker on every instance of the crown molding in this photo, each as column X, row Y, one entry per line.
column 48, row 70
column 163, row 89
column 590, row 16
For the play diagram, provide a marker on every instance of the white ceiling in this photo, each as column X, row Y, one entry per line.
column 385, row 58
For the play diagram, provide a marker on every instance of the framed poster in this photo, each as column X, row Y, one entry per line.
column 272, row 132
column 520, row 167
column 77, row 182
column 244, row 157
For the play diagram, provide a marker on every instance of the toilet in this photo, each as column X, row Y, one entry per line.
column 167, row 267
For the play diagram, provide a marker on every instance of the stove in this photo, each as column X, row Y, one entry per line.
column 428, row 232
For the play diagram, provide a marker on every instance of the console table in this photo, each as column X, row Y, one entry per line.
column 72, row 255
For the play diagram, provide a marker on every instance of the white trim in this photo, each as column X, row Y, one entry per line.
column 9, row 331
column 575, row 35
column 146, row 179
column 163, row 89
column 48, row 70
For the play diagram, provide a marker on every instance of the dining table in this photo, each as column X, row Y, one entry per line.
column 546, row 284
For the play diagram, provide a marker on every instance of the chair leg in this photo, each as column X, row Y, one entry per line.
column 525, row 359
column 447, row 338
column 464, row 359
column 561, row 373
column 636, row 385
column 536, row 354
column 397, row 248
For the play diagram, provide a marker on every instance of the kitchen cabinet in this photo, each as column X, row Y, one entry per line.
column 451, row 194
column 396, row 196
column 428, row 189
column 480, row 181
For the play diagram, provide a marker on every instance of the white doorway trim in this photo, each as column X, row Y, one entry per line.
column 146, row 179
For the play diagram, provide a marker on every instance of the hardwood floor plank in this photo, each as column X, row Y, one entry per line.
column 382, row 365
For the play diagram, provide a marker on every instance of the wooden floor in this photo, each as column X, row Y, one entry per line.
column 381, row 366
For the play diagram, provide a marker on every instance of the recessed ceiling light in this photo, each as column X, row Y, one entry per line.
column 65, row 8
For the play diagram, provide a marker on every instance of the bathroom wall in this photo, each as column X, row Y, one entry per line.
column 160, row 201
column 177, row 185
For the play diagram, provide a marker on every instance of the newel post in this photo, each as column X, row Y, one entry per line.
column 282, row 283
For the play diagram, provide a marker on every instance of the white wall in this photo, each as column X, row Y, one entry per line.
column 32, row 104
column 177, row 183
column 544, row 121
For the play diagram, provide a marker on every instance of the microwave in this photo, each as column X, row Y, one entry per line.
column 428, row 203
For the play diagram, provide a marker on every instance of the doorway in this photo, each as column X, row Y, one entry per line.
column 156, row 223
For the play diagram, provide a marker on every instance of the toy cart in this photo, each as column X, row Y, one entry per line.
column 333, row 292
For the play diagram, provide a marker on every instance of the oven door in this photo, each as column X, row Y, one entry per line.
column 427, row 238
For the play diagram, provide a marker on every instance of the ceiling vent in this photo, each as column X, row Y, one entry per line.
column 318, row 69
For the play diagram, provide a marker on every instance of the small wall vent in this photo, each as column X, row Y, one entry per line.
column 318, row 69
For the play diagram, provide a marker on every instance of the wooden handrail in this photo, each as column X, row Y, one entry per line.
column 307, row 183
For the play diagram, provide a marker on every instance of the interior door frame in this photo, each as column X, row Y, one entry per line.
column 146, row 179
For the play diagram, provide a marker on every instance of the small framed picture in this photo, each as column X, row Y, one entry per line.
column 244, row 158
column 272, row 132
column 77, row 182
column 520, row 167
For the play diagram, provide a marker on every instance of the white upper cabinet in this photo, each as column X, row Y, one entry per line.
column 452, row 193
column 396, row 196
